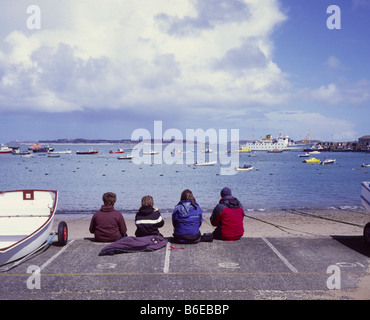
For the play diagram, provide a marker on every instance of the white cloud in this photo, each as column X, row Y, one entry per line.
column 334, row 62
column 118, row 54
column 343, row 92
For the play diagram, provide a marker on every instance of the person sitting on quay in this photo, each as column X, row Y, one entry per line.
column 187, row 217
column 107, row 224
column 227, row 217
column 148, row 219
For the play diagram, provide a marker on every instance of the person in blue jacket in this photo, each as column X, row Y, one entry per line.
column 187, row 218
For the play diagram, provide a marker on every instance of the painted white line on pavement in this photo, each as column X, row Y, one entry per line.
column 167, row 259
column 56, row 255
column 282, row 258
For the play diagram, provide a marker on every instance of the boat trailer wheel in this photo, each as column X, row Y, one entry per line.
column 367, row 233
column 62, row 233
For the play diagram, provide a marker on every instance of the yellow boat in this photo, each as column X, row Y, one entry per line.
column 244, row 150
column 311, row 160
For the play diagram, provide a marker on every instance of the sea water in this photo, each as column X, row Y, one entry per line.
column 278, row 181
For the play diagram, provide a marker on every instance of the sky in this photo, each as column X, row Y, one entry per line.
column 100, row 69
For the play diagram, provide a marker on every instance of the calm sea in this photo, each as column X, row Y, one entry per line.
column 278, row 181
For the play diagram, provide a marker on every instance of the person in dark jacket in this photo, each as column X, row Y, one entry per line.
column 227, row 217
column 148, row 219
column 107, row 224
column 187, row 217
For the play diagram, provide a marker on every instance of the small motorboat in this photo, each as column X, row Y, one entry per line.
column 120, row 150
column 26, row 221
column 327, row 161
column 315, row 152
column 244, row 150
column 5, row 149
column 245, row 168
column 68, row 151
column 17, row 152
column 212, row 163
column 90, row 151
column 151, row 152
column 311, row 160
column 53, row 155
column 127, row 157
column 304, row 155
column 365, row 165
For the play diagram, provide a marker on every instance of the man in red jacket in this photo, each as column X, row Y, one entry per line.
column 107, row 224
column 227, row 217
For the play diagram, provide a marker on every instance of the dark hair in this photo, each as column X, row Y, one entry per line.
column 187, row 195
column 147, row 201
column 109, row 198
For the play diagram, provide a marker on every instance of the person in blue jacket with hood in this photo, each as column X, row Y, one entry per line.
column 187, row 218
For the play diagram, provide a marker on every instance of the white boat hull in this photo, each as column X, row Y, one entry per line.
column 26, row 218
column 125, row 157
column 206, row 163
column 244, row 169
column 327, row 161
column 365, row 195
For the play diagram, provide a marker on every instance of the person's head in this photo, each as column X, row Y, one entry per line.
column 187, row 195
column 225, row 192
column 109, row 198
column 147, row 201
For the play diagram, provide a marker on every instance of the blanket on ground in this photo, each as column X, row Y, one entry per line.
column 134, row 244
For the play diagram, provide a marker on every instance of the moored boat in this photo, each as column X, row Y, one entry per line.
column 212, row 163
column 68, row 151
column 90, row 151
column 311, row 160
column 5, row 149
column 127, row 157
column 304, row 155
column 119, row 150
column 39, row 148
column 327, row 161
column 244, row 150
column 26, row 220
column 245, row 168
column 17, row 152
column 176, row 152
column 314, row 147
column 268, row 143
column 365, row 165
column 151, row 152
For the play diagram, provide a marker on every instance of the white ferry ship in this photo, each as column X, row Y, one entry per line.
column 282, row 143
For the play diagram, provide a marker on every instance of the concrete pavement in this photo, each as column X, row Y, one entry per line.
column 251, row 268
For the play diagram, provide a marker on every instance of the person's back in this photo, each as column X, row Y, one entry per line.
column 107, row 224
column 228, row 217
column 187, row 218
column 148, row 219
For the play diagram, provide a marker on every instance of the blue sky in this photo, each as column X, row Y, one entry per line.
column 101, row 69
